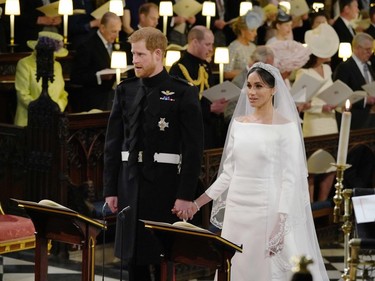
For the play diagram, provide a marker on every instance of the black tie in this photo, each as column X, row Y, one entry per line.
column 135, row 128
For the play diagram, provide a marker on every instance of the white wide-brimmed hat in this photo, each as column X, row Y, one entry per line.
column 323, row 41
column 53, row 38
column 320, row 162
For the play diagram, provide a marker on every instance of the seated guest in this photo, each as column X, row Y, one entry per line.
column 28, row 89
column 92, row 56
column 193, row 67
column 356, row 72
column 240, row 50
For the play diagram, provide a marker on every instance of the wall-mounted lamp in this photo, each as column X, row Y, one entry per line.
column 221, row 57
column 208, row 10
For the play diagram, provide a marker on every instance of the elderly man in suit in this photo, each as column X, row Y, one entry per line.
column 356, row 72
column 92, row 56
column 348, row 11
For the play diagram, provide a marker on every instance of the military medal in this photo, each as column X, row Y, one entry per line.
column 162, row 124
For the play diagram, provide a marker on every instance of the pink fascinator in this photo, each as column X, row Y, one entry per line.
column 289, row 55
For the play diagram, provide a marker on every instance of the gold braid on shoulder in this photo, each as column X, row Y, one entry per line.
column 202, row 80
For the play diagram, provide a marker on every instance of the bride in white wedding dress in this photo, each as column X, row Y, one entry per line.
column 261, row 196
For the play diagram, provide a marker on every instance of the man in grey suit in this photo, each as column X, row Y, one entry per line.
column 92, row 56
column 356, row 72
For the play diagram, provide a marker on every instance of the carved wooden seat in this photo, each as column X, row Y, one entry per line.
column 16, row 233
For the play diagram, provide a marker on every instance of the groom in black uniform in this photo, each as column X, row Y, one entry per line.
column 153, row 152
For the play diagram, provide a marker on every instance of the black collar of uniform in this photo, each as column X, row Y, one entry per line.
column 153, row 81
column 195, row 59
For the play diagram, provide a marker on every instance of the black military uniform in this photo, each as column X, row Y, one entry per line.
column 192, row 70
column 153, row 153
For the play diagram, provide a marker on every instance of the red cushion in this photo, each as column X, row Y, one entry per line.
column 13, row 227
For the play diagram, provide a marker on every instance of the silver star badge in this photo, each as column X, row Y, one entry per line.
column 162, row 124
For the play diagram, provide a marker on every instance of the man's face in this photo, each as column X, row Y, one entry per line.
column 364, row 51
column 204, row 48
column 111, row 30
column 146, row 63
column 149, row 20
column 352, row 10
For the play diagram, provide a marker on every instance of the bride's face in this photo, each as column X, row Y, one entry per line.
column 259, row 93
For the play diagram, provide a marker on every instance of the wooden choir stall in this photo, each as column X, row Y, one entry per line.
column 194, row 246
column 58, row 223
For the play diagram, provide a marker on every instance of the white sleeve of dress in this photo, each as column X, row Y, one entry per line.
column 291, row 150
column 222, row 182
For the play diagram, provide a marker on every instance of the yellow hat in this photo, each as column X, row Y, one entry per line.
column 54, row 38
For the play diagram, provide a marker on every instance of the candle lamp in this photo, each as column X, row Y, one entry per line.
column 221, row 57
column 245, row 7
column 208, row 10
column 171, row 57
column 117, row 7
column 317, row 6
column 65, row 9
column 341, row 160
column 345, row 50
column 12, row 8
column 165, row 10
column 286, row 6
column 118, row 62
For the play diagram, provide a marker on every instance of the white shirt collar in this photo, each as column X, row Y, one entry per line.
column 105, row 42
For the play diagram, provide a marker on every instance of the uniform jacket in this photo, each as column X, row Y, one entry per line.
column 214, row 132
column 28, row 89
column 152, row 193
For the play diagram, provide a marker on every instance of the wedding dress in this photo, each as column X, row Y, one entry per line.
column 260, row 176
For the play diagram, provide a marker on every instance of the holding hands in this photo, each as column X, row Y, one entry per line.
column 185, row 210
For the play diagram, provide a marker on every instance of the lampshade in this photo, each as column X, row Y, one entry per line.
column 66, row 7
column 286, row 5
column 245, row 7
column 345, row 50
column 209, row 9
column 171, row 57
column 12, row 7
column 317, row 6
column 221, row 55
column 118, row 60
column 166, row 8
column 117, row 7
